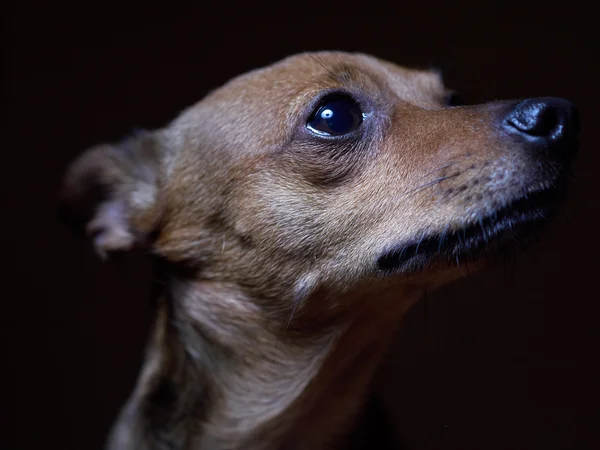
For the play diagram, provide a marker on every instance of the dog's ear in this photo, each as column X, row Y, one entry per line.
column 110, row 192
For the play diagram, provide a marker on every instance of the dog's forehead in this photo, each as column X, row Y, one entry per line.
column 363, row 71
column 303, row 75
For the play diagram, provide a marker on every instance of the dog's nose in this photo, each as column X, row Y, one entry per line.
column 548, row 121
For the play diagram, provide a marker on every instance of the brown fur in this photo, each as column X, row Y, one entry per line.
column 273, row 316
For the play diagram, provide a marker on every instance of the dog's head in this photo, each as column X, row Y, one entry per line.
column 327, row 176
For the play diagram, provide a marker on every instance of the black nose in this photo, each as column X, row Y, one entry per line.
column 548, row 121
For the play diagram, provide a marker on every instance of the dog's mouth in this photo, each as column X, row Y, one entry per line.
column 511, row 226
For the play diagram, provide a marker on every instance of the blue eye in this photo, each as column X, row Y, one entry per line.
column 336, row 115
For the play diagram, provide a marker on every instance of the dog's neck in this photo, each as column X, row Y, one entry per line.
column 217, row 377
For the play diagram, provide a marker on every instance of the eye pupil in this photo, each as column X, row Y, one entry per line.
column 335, row 116
column 327, row 114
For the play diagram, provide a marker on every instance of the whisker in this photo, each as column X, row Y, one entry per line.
column 483, row 232
column 419, row 243
column 418, row 188
column 296, row 303
column 303, row 291
column 431, row 183
column 438, row 169
column 443, row 237
column 329, row 70
column 460, row 241
column 285, row 328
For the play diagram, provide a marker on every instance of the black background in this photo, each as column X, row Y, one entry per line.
column 503, row 360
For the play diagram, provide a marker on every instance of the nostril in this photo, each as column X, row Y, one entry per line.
column 552, row 124
column 547, row 120
column 536, row 119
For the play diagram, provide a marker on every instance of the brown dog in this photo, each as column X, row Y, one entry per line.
column 296, row 213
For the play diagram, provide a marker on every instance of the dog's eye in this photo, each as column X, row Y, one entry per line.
column 336, row 115
column 454, row 99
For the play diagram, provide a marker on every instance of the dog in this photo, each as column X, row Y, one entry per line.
column 295, row 214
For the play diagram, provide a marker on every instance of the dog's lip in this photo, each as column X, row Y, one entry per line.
column 517, row 219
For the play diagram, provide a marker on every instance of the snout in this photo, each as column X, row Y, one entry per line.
column 552, row 124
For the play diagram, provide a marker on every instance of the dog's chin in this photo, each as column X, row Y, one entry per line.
column 489, row 237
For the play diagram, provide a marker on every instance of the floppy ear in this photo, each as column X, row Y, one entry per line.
column 110, row 192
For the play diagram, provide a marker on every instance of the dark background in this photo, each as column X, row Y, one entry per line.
column 504, row 360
